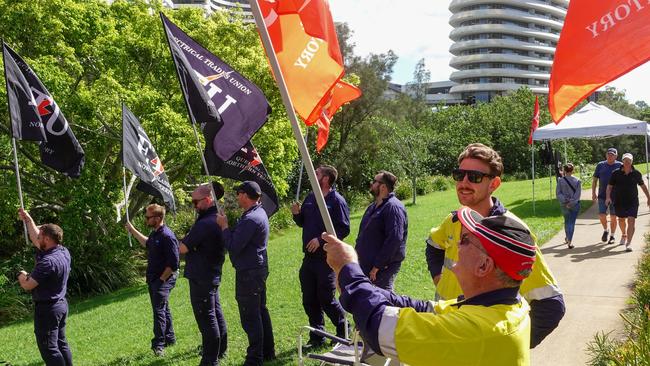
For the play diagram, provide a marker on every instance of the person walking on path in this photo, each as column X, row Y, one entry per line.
column 162, row 267
column 48, row 285
column 246, row 244
column 489, row 326
column 602, row 174
column 381, row 243
column 568, row 191
column 477, row 177
column 625, row 196
column 204, row 251
column 317, row 280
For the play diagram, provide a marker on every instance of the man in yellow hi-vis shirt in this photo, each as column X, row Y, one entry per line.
column 489, row 326
column 478, row 175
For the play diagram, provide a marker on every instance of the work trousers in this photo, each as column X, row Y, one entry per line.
column 209, row 317
column 386, row 276
column 163, row 328
column 49, row 328
column 250, row 292
column 318, row 285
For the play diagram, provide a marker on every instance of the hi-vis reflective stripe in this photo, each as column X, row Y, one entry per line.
column 433, row 244
column 449, row 263
column 541, row 293
column 386, row 331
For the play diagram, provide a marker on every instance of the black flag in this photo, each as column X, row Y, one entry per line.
column 200, row 107
column 26, row 123
column 246, row 164
column 241, row 104
column 61, row 150
column 139, row 156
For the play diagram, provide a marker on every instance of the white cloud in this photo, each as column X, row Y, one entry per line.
column 416, row 29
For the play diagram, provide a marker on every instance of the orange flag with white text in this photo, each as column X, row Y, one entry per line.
column 601, row 40
column 304, row 40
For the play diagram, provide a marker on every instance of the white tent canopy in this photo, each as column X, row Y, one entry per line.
column 593, row 120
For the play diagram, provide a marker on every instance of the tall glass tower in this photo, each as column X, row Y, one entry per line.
column 502, row 45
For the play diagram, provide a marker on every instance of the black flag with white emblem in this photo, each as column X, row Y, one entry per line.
column 139, row 156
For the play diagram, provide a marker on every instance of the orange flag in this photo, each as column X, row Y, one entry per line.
column 601, row 40
column 534, row 124
column 304, row 40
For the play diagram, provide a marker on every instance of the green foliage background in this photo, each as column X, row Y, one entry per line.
column 92, row 56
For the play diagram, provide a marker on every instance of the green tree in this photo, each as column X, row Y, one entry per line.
column 92, row 56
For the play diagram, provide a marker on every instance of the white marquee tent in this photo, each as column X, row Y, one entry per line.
column 593, row 120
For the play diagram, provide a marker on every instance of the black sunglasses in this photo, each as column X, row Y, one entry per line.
column 473, row 176
column 196, row 201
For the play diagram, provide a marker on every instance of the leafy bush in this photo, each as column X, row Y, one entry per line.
column 357, row 201
column 404, row 191
column 13, row 300
column 441, row 183
column 635, row 349
column 102, row 269
column 282, row 219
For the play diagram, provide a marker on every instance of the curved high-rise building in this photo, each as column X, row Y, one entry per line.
column 502, row 45
column 239, row 7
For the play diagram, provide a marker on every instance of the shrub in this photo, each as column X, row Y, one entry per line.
column 441, row 183
column 404, row 191
column 282, row 219
column 13, row 300
column 635, row 349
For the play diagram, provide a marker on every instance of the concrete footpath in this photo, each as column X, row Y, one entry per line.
column 596, row 280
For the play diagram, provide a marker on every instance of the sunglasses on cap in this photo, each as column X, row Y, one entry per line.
column 474, row 176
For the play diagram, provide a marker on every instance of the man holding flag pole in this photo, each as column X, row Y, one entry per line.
column 35, row 116
column 300, row 41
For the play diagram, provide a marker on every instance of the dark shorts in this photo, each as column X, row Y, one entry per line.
column 627, row 211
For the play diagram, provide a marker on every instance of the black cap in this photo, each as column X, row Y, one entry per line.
column 252, row 189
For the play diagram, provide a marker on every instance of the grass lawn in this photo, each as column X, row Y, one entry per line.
column 116, row 329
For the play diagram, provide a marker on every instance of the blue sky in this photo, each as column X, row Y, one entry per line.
column 416, row 29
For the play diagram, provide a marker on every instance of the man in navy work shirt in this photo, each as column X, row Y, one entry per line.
column 204, row 257
column 48, row 284
column 317, row 280
column 381, row 243
column 162, row 264
column 246, row 244
column 602, row 174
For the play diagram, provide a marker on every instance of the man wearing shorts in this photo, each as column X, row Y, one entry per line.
column 602, row 174
column 623, row 184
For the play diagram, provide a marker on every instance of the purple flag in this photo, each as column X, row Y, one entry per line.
column 241, row 104
column 246, row 164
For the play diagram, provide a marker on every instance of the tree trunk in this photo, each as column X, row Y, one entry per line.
column 415, row 191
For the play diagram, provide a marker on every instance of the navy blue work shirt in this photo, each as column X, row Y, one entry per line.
column 367, row 303
column 246, row 242
column 162, row 252
column 382, row 234
column 51, row 271
column 206, row 253
column 311, row 221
